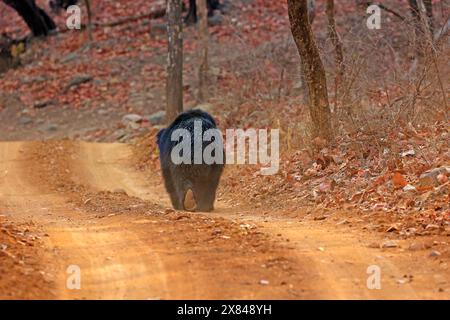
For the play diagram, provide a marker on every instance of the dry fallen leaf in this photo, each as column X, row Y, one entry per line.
column 399, row 181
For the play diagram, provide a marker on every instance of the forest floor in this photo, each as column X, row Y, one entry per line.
column 80, row 183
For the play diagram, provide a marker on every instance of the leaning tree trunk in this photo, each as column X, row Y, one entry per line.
column 37, row 19
column 312, row 15
column 312, row 67
column 203, row 50
column 174, row 86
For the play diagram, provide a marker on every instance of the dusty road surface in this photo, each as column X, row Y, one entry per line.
column 84, row 206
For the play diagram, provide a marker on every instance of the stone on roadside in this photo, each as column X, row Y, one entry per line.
column 50, row 127
column 156, row 118
column 25, row 120
column 133, row 125
column 435, row 253
column 406, row 153
column 409, row 187
column 389, row 244
column 131, row 118
column 430, row 177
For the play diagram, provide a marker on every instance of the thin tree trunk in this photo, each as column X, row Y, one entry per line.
column 339, row 54
column 423, row 23
column 414, row 8
column 313, row 68
column 174, row 86
column 429, row 9
column 89, row 25
column 203, row 39
column 425, row 20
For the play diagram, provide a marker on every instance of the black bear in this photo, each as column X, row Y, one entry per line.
column 57, row 5
column 191, row 16
column 191, row 174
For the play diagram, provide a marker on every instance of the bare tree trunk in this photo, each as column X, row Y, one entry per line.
column 203, row 50
column 312, row 68
column 174, row 86
column 89, row 25
column 312, row 15
column 339, row 54
column 414, row 8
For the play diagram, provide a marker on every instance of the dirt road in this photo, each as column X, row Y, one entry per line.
column 90, row 208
